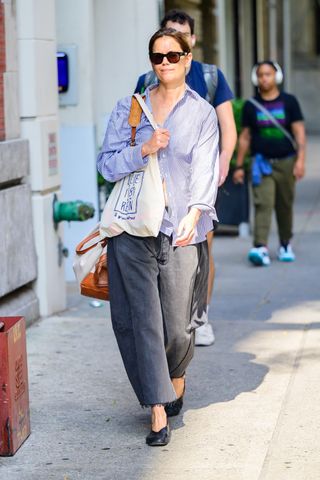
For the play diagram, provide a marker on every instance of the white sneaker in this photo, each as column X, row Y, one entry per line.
column 286, row 254
column 204, row 335
column 259, row 256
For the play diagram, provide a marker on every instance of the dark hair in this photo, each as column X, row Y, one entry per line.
column 266, row 62
column 170, row 32
column 178, row 16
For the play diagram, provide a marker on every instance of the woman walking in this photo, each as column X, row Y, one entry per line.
column 156, row 283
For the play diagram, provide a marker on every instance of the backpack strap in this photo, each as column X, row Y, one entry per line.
column 150, row 79
column 134, row 119
column 210, row 74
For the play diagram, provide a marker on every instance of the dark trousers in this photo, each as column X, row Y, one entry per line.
column 152, row 288
column 276, row 192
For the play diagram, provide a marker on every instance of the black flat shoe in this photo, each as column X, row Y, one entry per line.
column 159, row 439
column 174, row 408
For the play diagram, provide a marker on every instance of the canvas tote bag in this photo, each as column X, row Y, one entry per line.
column 136, row 203
column 90, row 260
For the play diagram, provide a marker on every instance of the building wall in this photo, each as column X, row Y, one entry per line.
column 75, row 27
column 2, row 70
column 18, row 261
column 111, row 40
column 39, row 124
column 305, row 30
column 121, row 46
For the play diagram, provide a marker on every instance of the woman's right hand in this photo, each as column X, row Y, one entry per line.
column 238, row 176
column 159, row 139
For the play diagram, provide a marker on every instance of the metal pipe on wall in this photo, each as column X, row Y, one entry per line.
column 260, row 18
column 273, row 30
column 222, row 34
column 287, row 50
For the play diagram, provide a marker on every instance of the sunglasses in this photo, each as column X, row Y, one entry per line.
column 172, row 57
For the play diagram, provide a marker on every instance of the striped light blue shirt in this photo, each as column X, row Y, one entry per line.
column 189, row 164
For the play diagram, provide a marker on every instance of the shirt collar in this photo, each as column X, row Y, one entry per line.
column 191, row 92
column 188, row 91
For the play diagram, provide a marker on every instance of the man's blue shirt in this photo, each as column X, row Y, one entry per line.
column 195, row 80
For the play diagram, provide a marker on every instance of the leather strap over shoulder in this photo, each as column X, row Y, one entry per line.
column 134, row 119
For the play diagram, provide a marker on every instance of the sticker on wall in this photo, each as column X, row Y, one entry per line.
column 53, row 154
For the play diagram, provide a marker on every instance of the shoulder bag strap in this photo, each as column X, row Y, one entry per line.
column 134, row 119
column 274, row 121
column 146, row 110
column 210, row 74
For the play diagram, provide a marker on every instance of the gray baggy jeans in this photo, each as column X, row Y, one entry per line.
column 152, row 299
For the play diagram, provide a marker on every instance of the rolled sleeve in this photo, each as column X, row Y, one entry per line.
column 204, row 171
column 117, row 158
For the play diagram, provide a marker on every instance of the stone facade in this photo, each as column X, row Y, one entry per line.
column 18, row 262
column 17, row 250
column 2, row 69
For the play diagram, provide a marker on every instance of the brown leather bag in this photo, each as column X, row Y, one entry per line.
column 96, row 283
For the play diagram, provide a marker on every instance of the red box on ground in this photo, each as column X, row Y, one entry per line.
column 14, row 391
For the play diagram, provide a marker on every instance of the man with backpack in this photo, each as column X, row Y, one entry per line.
column 209, row 82
column 274, row 131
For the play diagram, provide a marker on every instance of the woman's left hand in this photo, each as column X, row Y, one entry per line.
column 187, row 227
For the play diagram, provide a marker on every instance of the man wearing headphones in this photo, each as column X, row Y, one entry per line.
column 209, row 82
column 274, row 131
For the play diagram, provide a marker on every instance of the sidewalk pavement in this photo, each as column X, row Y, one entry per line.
column 252, row 406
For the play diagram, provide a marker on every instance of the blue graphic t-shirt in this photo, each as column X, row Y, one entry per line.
column 266, row 138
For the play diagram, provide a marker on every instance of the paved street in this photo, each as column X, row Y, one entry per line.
column 252, row 408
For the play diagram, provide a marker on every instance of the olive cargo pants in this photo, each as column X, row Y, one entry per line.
column 276, row 192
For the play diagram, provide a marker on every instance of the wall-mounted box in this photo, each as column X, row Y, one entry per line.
column 63, row 72
column 68, row 57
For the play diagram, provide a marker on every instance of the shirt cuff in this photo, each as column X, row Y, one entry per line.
column 136, row 157
column 210, row 211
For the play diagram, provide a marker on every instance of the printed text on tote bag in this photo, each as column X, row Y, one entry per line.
column 127, row 201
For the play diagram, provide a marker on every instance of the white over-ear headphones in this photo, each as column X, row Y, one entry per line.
column 279, row 72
